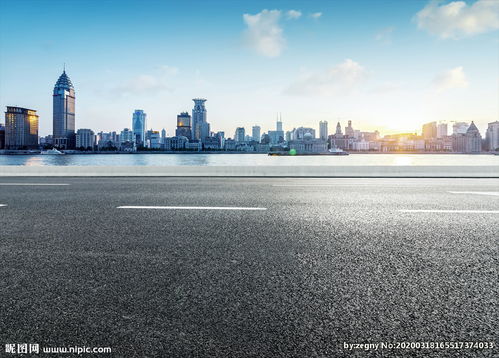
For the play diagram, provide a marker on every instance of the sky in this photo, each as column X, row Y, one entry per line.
column 388, row 65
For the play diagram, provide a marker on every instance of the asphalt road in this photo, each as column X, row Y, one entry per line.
column 301, row 267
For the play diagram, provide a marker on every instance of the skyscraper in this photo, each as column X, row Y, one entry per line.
column 492, row 136
column 256, row 133
column 64, row 113
column 441, row 130
column 239, row 136
column 278, row 126
column 184, row 125
column 139, row 127
column 277, row 136
column 430, row 130
column 200, row 127
column 473, row 139
column 21, row 128
column 323, row 133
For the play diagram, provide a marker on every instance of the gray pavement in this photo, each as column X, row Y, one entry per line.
column 320, row 263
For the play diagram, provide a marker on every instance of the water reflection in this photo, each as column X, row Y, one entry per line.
column 403, row 160
column 247, row 159
column 29, row 160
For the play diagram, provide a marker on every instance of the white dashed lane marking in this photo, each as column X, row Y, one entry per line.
column 452, row 211
column 33, row 184
column 190, row 208
column 493, row 193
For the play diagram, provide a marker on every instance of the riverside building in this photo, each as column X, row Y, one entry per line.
column 139, row 127
column 21, row 128
column 200, row 127
column 85, row 138
column 63, row 113
column 184, row 125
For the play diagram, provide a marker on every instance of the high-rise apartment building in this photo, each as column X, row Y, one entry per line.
column 63, row 113
column 240, row 134
column 153, row 139
column 200, row 127
column 21, row 128
column 127, row 136
column 442, row 130
column 323, row 132
column 255, row 133
column 430, row 130
column 492, row 136
column 85, row 138
column 184, row 125
column 139, row 127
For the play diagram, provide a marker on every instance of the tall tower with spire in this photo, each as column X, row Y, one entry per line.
column 338, row 130
column 278, row 126
column 63, row 114
column 200, row 127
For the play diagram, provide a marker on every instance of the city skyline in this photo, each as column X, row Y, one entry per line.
column 195, row 134
column 391, row 66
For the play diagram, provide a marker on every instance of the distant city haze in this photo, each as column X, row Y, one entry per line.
column 389, row 66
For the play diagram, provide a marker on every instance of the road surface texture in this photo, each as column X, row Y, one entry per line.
column 235, row 267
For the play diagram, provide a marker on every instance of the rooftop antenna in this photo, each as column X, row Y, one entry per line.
column 64, row 68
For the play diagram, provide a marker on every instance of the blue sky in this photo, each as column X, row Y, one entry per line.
column 388, row 65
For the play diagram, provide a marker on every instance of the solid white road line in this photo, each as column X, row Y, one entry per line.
column 452, row 211
column 493, row 193
column 3, row 204
column 34, row 184
column 190, row 207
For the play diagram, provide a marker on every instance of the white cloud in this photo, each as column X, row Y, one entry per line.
column 453, row 78
column 343, row 78
column 293, row 14
column 264, row 34
column 457, row 19
column 315, row 15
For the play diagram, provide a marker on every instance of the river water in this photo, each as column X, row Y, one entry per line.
column 247, row 159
